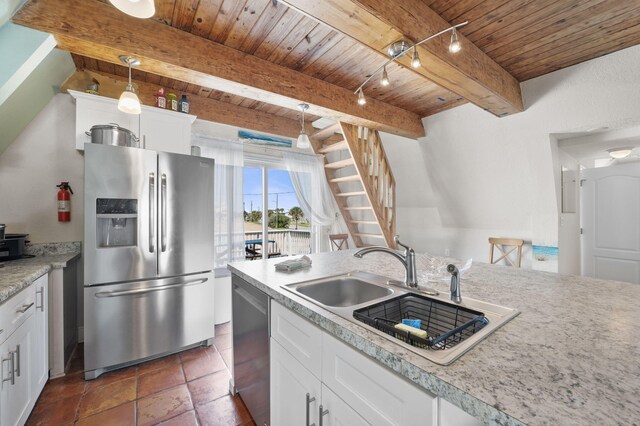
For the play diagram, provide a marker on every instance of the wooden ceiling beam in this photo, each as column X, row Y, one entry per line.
column 100, row 31
column 204, row 108
column 376, row 24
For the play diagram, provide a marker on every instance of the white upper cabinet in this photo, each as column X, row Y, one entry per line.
column 158, row 129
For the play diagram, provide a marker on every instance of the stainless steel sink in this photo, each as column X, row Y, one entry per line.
column 359, row 293
column 343, row 291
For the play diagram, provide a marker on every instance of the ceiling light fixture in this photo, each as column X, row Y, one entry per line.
column 400, row 48
column 619, row 153
column 454, row 44
column 129, row 101
column 136, row 8
column 303, row 139
column 385, row 77
column 415, row 60
column 361, row 99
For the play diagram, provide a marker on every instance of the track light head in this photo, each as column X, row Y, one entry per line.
column 415, row 60
column 385, row 77
column 454, row 45
column 361, row 99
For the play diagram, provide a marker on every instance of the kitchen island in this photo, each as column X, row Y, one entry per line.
column 570, row 357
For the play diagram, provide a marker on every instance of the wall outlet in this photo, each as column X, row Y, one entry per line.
column 447, row 252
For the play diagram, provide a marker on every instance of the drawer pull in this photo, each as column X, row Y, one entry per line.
column 40, row 291
column 321, row 414
column 309, row 401
column 25, row 308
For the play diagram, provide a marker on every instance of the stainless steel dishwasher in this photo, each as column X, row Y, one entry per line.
column 251, row 348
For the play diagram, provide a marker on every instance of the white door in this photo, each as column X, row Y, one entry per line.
column 40, row 343
column 290, row 385
column 610, row 211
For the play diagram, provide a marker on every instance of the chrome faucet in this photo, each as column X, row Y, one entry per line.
column 455, row 283
column 408, row 259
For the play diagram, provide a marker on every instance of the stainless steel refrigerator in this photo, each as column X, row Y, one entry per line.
column 148, row 255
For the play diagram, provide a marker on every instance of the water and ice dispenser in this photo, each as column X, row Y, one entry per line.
column 117, row 220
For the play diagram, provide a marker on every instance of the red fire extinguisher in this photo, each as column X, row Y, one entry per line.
column 64, row 202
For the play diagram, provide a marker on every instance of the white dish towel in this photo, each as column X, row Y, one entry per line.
column 294, row 264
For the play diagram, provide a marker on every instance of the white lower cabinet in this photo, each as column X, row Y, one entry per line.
column 347, row 388
column 16, row 397
column 291, row 382
column 24, row 352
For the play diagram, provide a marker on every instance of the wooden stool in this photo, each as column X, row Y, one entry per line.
column 502, row 244
column 339, row 242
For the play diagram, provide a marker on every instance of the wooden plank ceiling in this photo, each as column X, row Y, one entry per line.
column 528, row 38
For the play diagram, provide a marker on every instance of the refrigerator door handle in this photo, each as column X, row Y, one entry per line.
column 163, row 213
column 152, row 212
column 150, row 289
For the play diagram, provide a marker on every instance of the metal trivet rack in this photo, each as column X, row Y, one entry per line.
column 446, row 324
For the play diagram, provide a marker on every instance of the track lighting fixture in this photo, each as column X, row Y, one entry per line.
column 129, row 101
column 385, row 77
column 402, row 47
column 454, row 45
column 415, row 60
column 303, row 139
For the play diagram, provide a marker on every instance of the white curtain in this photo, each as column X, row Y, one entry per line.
column 314, row 195
column 228, row 207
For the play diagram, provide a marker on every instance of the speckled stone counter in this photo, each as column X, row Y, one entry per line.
column 570, row 357
column 16, row 275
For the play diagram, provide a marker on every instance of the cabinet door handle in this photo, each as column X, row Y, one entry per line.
column 309, row 401
column 12, row 377
column 24, row 308
column 40, row 291
column 321, row 414
column 17, row 352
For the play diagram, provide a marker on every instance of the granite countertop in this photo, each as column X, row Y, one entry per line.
column 16, row 275
column 570, row 357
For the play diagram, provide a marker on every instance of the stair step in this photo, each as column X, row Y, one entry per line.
column 338, row 146
column 351, row 194
column 349, row 178
column 359, row 208
column 326, row 132
column 364, row 222
column 340, row 164
column 370, row 235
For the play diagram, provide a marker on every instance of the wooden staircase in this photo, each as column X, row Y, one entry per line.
column 361, row 181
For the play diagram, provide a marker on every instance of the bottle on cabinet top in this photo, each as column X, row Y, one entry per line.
column 172, row 101
column 184, row 104
column 161, row 99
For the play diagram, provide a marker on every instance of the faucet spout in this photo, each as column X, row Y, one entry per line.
column 408, row 260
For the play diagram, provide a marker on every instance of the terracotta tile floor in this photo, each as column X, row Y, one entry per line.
column 189, row 388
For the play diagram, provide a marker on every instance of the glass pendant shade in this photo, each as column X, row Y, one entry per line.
column 454, row 46
column 361, row 99
column 385, row 77
column 137, row 8
column 415, row 61
column 129, row 101
column 303, row 141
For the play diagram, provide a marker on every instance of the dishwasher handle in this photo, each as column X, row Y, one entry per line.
column 149, row 289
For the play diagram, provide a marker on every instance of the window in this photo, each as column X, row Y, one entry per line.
column 288, row 232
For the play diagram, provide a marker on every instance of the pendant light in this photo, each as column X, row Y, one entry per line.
column 303, row 139
column 361, row 99
column 136, row 8
column 129, row 102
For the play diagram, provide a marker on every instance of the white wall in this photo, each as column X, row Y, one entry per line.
column 476, row 175
column 41, row 157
